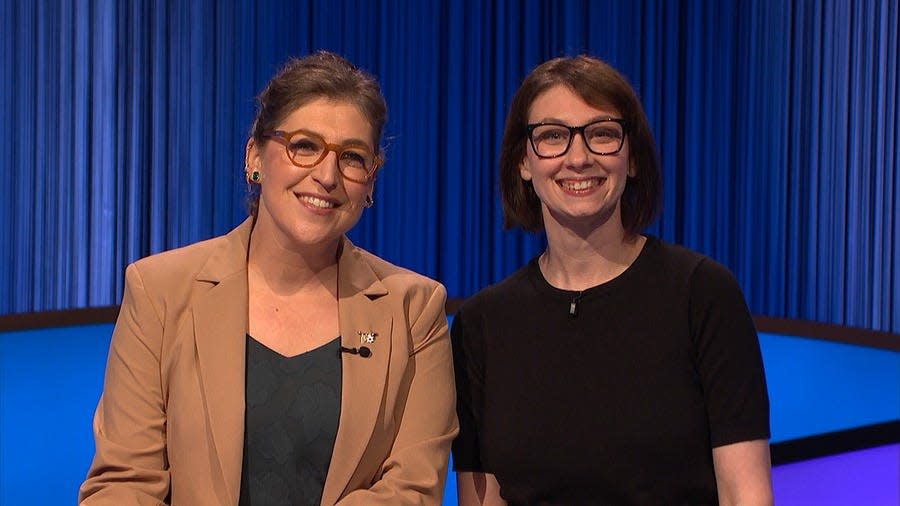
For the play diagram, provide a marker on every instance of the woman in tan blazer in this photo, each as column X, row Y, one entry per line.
column 280, row 364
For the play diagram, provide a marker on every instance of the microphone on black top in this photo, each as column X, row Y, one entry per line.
column 362, row 351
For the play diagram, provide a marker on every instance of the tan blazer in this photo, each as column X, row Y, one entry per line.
column 169, row 426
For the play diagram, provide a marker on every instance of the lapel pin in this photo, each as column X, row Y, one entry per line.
column 367, row 337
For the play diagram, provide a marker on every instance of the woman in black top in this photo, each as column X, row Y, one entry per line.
column 614, row 368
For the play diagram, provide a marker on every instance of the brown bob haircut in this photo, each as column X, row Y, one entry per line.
column 304, row 80
column 601, row 86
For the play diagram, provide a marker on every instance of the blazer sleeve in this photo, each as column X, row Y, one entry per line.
column 415, row 470
column 129, row 466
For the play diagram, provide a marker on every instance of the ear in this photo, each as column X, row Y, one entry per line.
column 252, row 155
column 632, row 172
column 525, row 170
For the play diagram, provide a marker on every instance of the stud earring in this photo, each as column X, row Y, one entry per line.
column 368, row 202
column 253, row 176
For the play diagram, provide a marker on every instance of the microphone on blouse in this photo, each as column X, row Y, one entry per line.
column 363, row 351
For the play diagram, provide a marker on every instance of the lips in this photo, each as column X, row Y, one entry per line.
column 318, row 202
column 580, row 185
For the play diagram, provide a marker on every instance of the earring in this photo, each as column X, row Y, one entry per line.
column 368, row 202
column 253, row 176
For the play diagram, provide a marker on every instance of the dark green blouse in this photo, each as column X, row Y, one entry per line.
column 292, row 409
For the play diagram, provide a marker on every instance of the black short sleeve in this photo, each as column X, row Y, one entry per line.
column 469, row 369
column 728, row 357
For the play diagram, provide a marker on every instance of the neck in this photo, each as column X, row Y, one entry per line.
column 289, row 269
column 578, row 258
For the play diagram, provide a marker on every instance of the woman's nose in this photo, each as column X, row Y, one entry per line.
column 328, row 172
column 578, row 154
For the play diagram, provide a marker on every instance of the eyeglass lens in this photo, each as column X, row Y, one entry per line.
column 601, row 138
column 355, row 162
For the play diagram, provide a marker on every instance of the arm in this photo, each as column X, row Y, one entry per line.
column 474, row 487
column 478, row 489
column 415, row 470
column 129, row 466
column 743, row 473
column 731, row 369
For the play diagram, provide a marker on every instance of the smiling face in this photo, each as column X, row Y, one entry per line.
column 578, row 190
column 313, row 206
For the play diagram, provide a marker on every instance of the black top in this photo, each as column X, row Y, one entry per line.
column 292, row 409
column 621, row 403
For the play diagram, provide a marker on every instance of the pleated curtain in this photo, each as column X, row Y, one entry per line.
column 124, row 124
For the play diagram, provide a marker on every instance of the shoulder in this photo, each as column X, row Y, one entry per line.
column 176, row 265
column 169, row 278
column 493, row 298
column 412, row 288
column 707, row 285
column 682, row 262
column 673, row 256
column 390, row 274
column 217, row 257
column 178, row 261
column 161, row 286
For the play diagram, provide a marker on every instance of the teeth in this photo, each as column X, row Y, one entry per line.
column 317, row 202
column 579, row 185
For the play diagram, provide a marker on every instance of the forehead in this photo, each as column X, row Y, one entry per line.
column 336, row 121
column 561, row 103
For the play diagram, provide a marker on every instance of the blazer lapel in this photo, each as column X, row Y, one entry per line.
column 361, row 310
column 220, row 327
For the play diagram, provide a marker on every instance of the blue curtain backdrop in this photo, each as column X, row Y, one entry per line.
column 123, row 126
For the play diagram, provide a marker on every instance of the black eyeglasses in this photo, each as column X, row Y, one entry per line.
column 602, row 137
column 304, row 148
